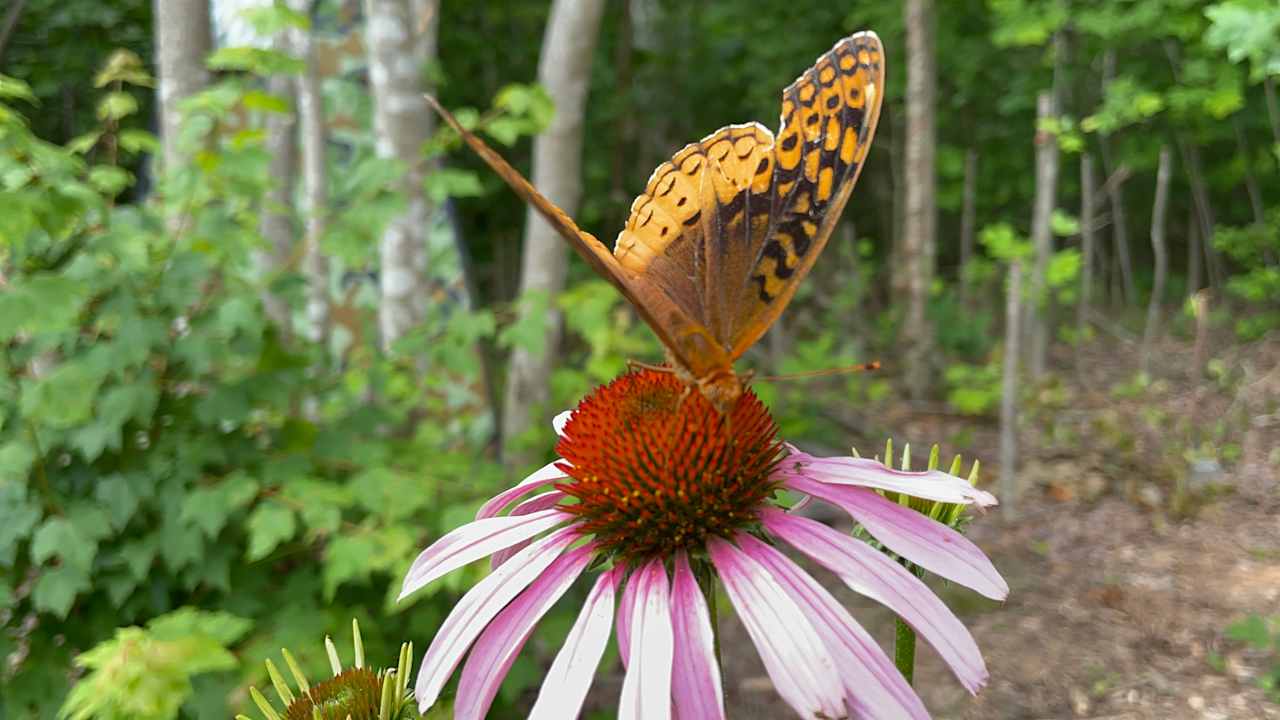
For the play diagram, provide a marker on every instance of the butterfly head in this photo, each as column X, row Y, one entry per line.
column 722, row 389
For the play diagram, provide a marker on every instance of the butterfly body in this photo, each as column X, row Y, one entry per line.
column 717, row 244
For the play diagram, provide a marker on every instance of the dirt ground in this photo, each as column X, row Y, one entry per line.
column 1118, row 605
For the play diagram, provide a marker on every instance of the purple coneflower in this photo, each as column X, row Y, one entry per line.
column 660, row 491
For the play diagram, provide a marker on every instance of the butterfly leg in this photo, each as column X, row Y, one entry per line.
column 633, row 365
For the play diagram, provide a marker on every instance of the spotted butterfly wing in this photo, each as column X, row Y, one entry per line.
column 725, row 231
column 730, row 226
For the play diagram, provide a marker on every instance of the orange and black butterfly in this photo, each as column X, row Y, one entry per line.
column 722, row 236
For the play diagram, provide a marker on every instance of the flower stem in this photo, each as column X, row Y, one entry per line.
column 904, row 649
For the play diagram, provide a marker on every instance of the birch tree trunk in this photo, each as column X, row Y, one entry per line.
column 1088, row 211
column 276, row 224
column 968, row 219
column 400, row 39
column 184, row 39
column 315, row 182
column 1158, row 213
column 920, row 212
column 1042, row 238
column 564, row 69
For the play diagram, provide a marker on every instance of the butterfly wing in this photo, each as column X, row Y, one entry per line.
column 730, row 226
column 683, row 336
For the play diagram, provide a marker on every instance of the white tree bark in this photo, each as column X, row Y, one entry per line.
column 1115, row 197
column 564, row 69
column 315, row 183
column 400, row 39
column 1042, row 237
column 920, row 212
column 1161, row 253
column 184, row 39
column 968, row 219
column 1088, row 243
column 1009, row 394
column 276, row 224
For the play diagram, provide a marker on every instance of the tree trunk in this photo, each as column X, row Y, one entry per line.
column 1115, row 197
column 1250, row 179
column 1009, row 393
column 1195, row 254
column 564, row 69
column 1161, row 255
column 276, row 224
column 1204, row 209
column 1042, row 238
column 1273, row 113
column 8, row 24
column 968, row 220
column 315, row 183
column 183, row 41
column 1088, row 211
column 398, row 49
column 920, row 216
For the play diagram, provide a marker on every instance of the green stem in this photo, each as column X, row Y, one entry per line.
column 904, row 649
column 707, row 582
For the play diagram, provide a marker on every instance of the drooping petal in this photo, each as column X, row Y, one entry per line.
column 565, row 686
column 559, row 421
column 646, row 689
column 874, row 574
column 532, row 505
column 873, row 685
column 794, row 655
column 626, row 606
column 925, row 542
column 865, row 472
column 543, row 476
column 696, row 693
column 473, row 541
column 474, row 611
column 502, row 640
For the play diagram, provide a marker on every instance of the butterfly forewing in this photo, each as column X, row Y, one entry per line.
column 730, row 226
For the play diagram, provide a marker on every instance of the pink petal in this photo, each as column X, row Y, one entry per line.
column 623, row 623
column 925, row 542
column 566, row 683
column 646, row 689
column 474, row 611
column 559, row 421
column 696, row 693
column 501, row 641
column 794, row 655
column 540, row 478
column 532, row 505
column 865, row 472
column 473, row 541
column 874, row 574
column 873, row 685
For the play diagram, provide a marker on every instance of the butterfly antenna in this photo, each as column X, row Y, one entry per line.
column 847, row 370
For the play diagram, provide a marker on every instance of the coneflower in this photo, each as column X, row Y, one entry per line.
column 662, row 495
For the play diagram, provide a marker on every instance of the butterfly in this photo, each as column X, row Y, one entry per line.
column 724, row 232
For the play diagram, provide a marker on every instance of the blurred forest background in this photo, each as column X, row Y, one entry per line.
column 266, row 331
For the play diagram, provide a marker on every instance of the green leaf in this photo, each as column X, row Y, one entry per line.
column 269, row 525
column 12, row 88
column 16, row 459
column 139, row 555
column 270, row 19
column 444, row 183
column 123, row 66
column 118, row 498
column 1064, row 224
column 84, row 143
column 138, row 141
column 208, row 507
column 59, row 537
column 1252, row 630
column 115, row 106
column 21, row 515
column 389, row 493
column 224, row 627
column 347, row 560
column 109, row 180
column 266, row 102
column 255, row 60
column 56, row 589
column 41, row 304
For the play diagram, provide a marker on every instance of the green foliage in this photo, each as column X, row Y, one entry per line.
column 145, row 673
column 973, row 389
column 1255, row 247
column 1249, row 31
column 163, row 444
column 1263, row 635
